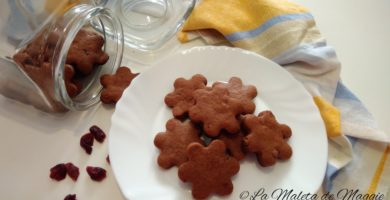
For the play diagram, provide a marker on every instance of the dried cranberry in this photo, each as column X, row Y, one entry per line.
column 58, row 172
column 97, row 133
column 96, row 173
column 72, row 170
column 70, row 197
column 86, row 142
column 108, row 159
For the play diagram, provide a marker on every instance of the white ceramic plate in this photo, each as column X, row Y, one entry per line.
column 141, row 113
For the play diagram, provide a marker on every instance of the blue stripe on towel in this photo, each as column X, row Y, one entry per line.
column 331, row 171
column 353, row 140
column 263, row 27
column 343, row 92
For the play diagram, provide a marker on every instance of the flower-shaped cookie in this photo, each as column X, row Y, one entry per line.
column 181, row 98
column 245, row 93
column 216, row 110
column 209, row 169
column 234, row 144
column 86, row 51
column 267, row 138
column 114, row 85
column 72, row 87
column 174, row 142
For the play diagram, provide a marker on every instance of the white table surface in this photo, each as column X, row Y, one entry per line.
column 31, row 142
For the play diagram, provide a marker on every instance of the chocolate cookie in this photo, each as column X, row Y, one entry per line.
column 267, row 138
column 216, row 110
column 114, row 85
column 86, row 51
column 181, row 99
column 173, row 143
column 72, row 87
column 245, row 93
column 234, row 144
column 209, row 169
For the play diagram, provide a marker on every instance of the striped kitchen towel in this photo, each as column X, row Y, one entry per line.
column 287, row 34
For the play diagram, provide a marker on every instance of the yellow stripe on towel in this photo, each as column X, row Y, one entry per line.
column 378, row 172
column 225, row 17
column 330, row 115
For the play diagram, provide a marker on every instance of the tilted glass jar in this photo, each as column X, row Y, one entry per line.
column 34, row 64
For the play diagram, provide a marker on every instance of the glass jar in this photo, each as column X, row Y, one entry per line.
column 45, row 51
column 150, row 26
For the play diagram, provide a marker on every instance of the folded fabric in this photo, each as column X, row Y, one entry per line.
column 287, row 34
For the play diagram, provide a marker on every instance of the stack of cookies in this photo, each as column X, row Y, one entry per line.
column 84, row 55
column 213, row 129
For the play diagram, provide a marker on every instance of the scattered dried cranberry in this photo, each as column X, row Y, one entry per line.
column 58, row 172
column 72, row 170
column 96, row 173
column 108, row 159
column 86, row 142
column 70, row 197
column 97, row 133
